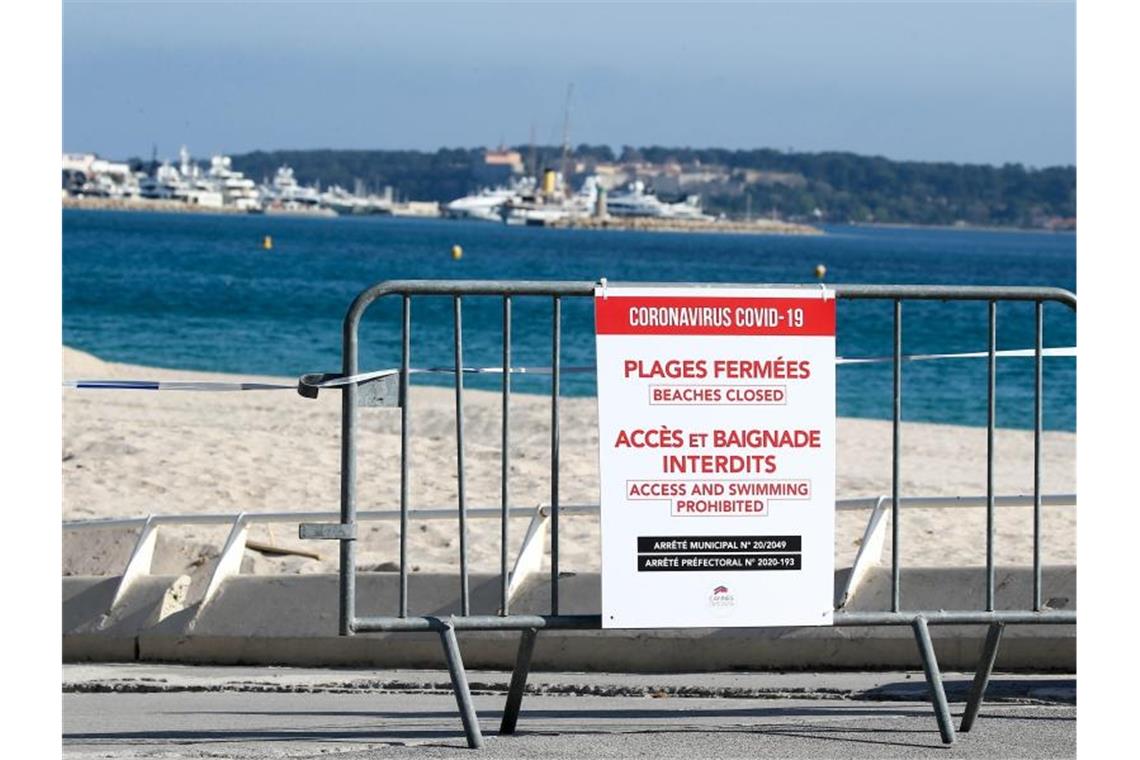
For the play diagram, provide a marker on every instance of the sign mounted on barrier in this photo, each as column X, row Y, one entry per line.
column 716, row 412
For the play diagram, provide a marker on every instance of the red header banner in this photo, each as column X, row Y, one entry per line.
column 636, row 315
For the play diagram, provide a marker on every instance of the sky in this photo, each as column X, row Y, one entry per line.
column 977, row 82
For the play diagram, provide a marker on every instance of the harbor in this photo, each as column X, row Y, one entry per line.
column 91, row 182
column 581, row 194
column 589, row 187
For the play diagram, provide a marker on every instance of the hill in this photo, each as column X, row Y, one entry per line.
column 823, row 187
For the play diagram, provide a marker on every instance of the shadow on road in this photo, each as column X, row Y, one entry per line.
column 391, row 725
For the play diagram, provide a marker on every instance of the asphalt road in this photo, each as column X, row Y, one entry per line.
column 158, row 714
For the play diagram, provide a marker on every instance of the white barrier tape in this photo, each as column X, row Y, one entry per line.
column 165, row 385
column 332, row 380
column 1012, row 352
column 318, row 381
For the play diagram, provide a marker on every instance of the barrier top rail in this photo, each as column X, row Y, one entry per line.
column 586, row 288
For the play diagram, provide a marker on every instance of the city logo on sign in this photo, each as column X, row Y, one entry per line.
column 721, row 598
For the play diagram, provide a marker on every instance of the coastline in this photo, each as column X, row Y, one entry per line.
column 642, row 224
column 129, row 453
column 165, row 206
column 958, row 227
column 651, row 224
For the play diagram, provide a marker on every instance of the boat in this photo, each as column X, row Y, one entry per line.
column 635, row 201
column 286, row 196
column 345, row 203
column 165, row 184
column 184, row 183
column 237, row 190
column 552, row 203
column 486, row 205
column 341, row 201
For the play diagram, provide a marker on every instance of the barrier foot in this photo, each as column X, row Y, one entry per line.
column 459, row 684
column 982, row 675
column 934, row 680
column 518, row 681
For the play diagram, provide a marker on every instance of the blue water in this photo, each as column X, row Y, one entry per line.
column 198, row 292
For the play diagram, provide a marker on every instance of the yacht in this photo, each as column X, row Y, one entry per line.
column 483, row 205
column 165, row 184
column 237, row 190
column 184, row 183
column 486, row 205
column 342, row 201
column 637, row 202
column 286, row 196
column 552, row 203
column 199, row 190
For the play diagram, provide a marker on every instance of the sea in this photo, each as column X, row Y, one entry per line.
column 202, row 292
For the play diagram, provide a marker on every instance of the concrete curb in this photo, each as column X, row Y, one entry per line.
column 292, row 620
column 860, row 686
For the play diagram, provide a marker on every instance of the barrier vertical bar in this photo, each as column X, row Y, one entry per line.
column 982, row 675
column 405, row 366
column 992, row 399
column 518, row 682
column 555, row 361
column 459, row 685
column 464, row 590
column 933, row 679
column 505, row 459
column 1037, row 422
column 896, row 419
column 347, row 585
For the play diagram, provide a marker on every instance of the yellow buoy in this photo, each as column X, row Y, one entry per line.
column 267, row 243
column 820, row 271
column 456, row 252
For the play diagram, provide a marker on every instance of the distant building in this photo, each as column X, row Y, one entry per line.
column 757, row 177
column 503, row 157
column 611, row 176
column 498, row 167
column 87, row 174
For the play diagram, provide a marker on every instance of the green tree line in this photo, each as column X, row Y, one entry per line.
column 828, row 186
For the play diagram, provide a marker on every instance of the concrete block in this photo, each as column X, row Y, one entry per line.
column 292, row 620
column 94, row 630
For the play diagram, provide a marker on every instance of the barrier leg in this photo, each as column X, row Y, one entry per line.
column 459, row 684
column 982, row 675
column 934, row 680
column 518, row 681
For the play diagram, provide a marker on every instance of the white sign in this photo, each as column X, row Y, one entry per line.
column 716, row 412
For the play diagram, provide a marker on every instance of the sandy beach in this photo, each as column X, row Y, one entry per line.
column 134, row 453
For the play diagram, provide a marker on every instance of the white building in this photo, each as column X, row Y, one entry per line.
column 87, row 174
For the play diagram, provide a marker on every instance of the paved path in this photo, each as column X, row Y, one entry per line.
column 147, row 711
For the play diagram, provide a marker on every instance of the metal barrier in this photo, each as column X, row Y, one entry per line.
column 530, row 624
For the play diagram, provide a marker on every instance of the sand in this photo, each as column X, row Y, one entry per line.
column 134, row 453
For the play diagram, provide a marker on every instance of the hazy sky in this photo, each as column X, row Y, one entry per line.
column 962, row 81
